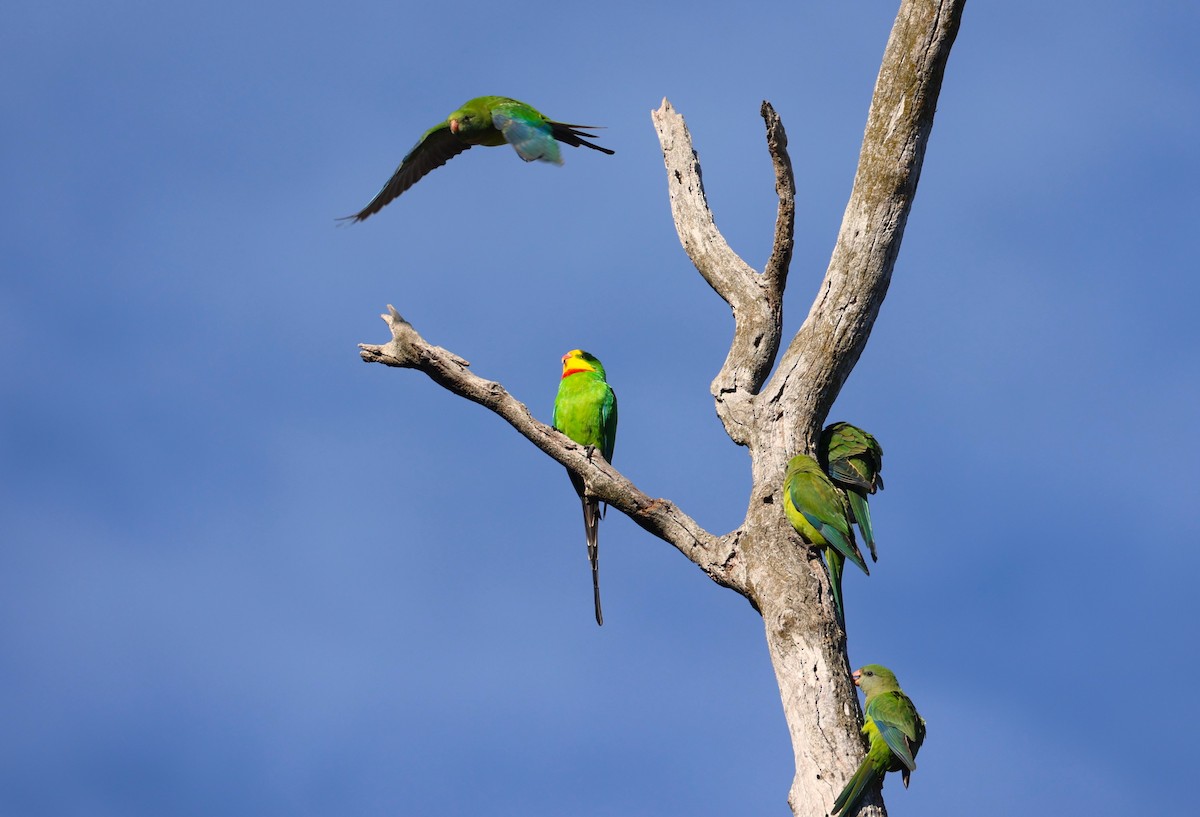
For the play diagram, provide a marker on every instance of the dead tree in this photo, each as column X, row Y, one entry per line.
column 774, row 416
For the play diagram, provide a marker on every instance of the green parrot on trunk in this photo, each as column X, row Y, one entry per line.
column 853, row 460
column 585, row 409
column 819, row 513
column 894, row 733
column 488, row 121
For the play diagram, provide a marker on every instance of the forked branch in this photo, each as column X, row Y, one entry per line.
column 661, row 517
column 755, row 300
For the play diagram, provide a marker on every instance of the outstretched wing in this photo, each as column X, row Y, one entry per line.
column 435, row 148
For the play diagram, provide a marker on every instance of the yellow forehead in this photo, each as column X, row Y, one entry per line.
column 575, row 359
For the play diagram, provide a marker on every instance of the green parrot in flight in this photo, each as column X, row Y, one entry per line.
column 894, row 733
column 485, row 120
column 853, row 460
column 586, row 411
column 819, row 513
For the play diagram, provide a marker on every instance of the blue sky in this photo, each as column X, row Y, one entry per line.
column 243, row 573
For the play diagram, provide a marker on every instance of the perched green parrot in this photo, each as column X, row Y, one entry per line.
column 853, row 460
column 818, row 511
column 894, row 733
column 485, row 120
column 586, row 411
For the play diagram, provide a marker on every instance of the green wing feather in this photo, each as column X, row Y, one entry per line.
column 896, row 719
column 608, row 424
column 843, row 441
column 861, row 513
column 853, row 459
column 835, row 563
column 842, row 541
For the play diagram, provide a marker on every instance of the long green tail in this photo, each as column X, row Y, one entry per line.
column 836, row 563
column 862, row 515
column 848, row 799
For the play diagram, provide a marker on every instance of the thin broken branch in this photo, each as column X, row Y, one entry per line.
column 776, row 270
column 660, row 517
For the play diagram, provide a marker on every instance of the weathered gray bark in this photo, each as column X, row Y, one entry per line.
column 763, row 559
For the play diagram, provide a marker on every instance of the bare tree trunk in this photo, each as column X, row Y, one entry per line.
column 764, row 559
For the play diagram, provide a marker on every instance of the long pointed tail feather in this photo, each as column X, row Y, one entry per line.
column 862, row 515
column 836, row 563
column 591, row 525
column 853, row 792
column 573, row 136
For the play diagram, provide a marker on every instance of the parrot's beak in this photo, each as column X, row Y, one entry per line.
column 856, row 675
column 454, row 126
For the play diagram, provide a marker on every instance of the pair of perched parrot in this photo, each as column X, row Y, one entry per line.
column 823, row 499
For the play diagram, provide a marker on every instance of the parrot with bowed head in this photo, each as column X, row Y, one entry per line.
column 485, row 120
column 586, row 411
column 894, row 733
column 819, row 513
column 853, row 460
